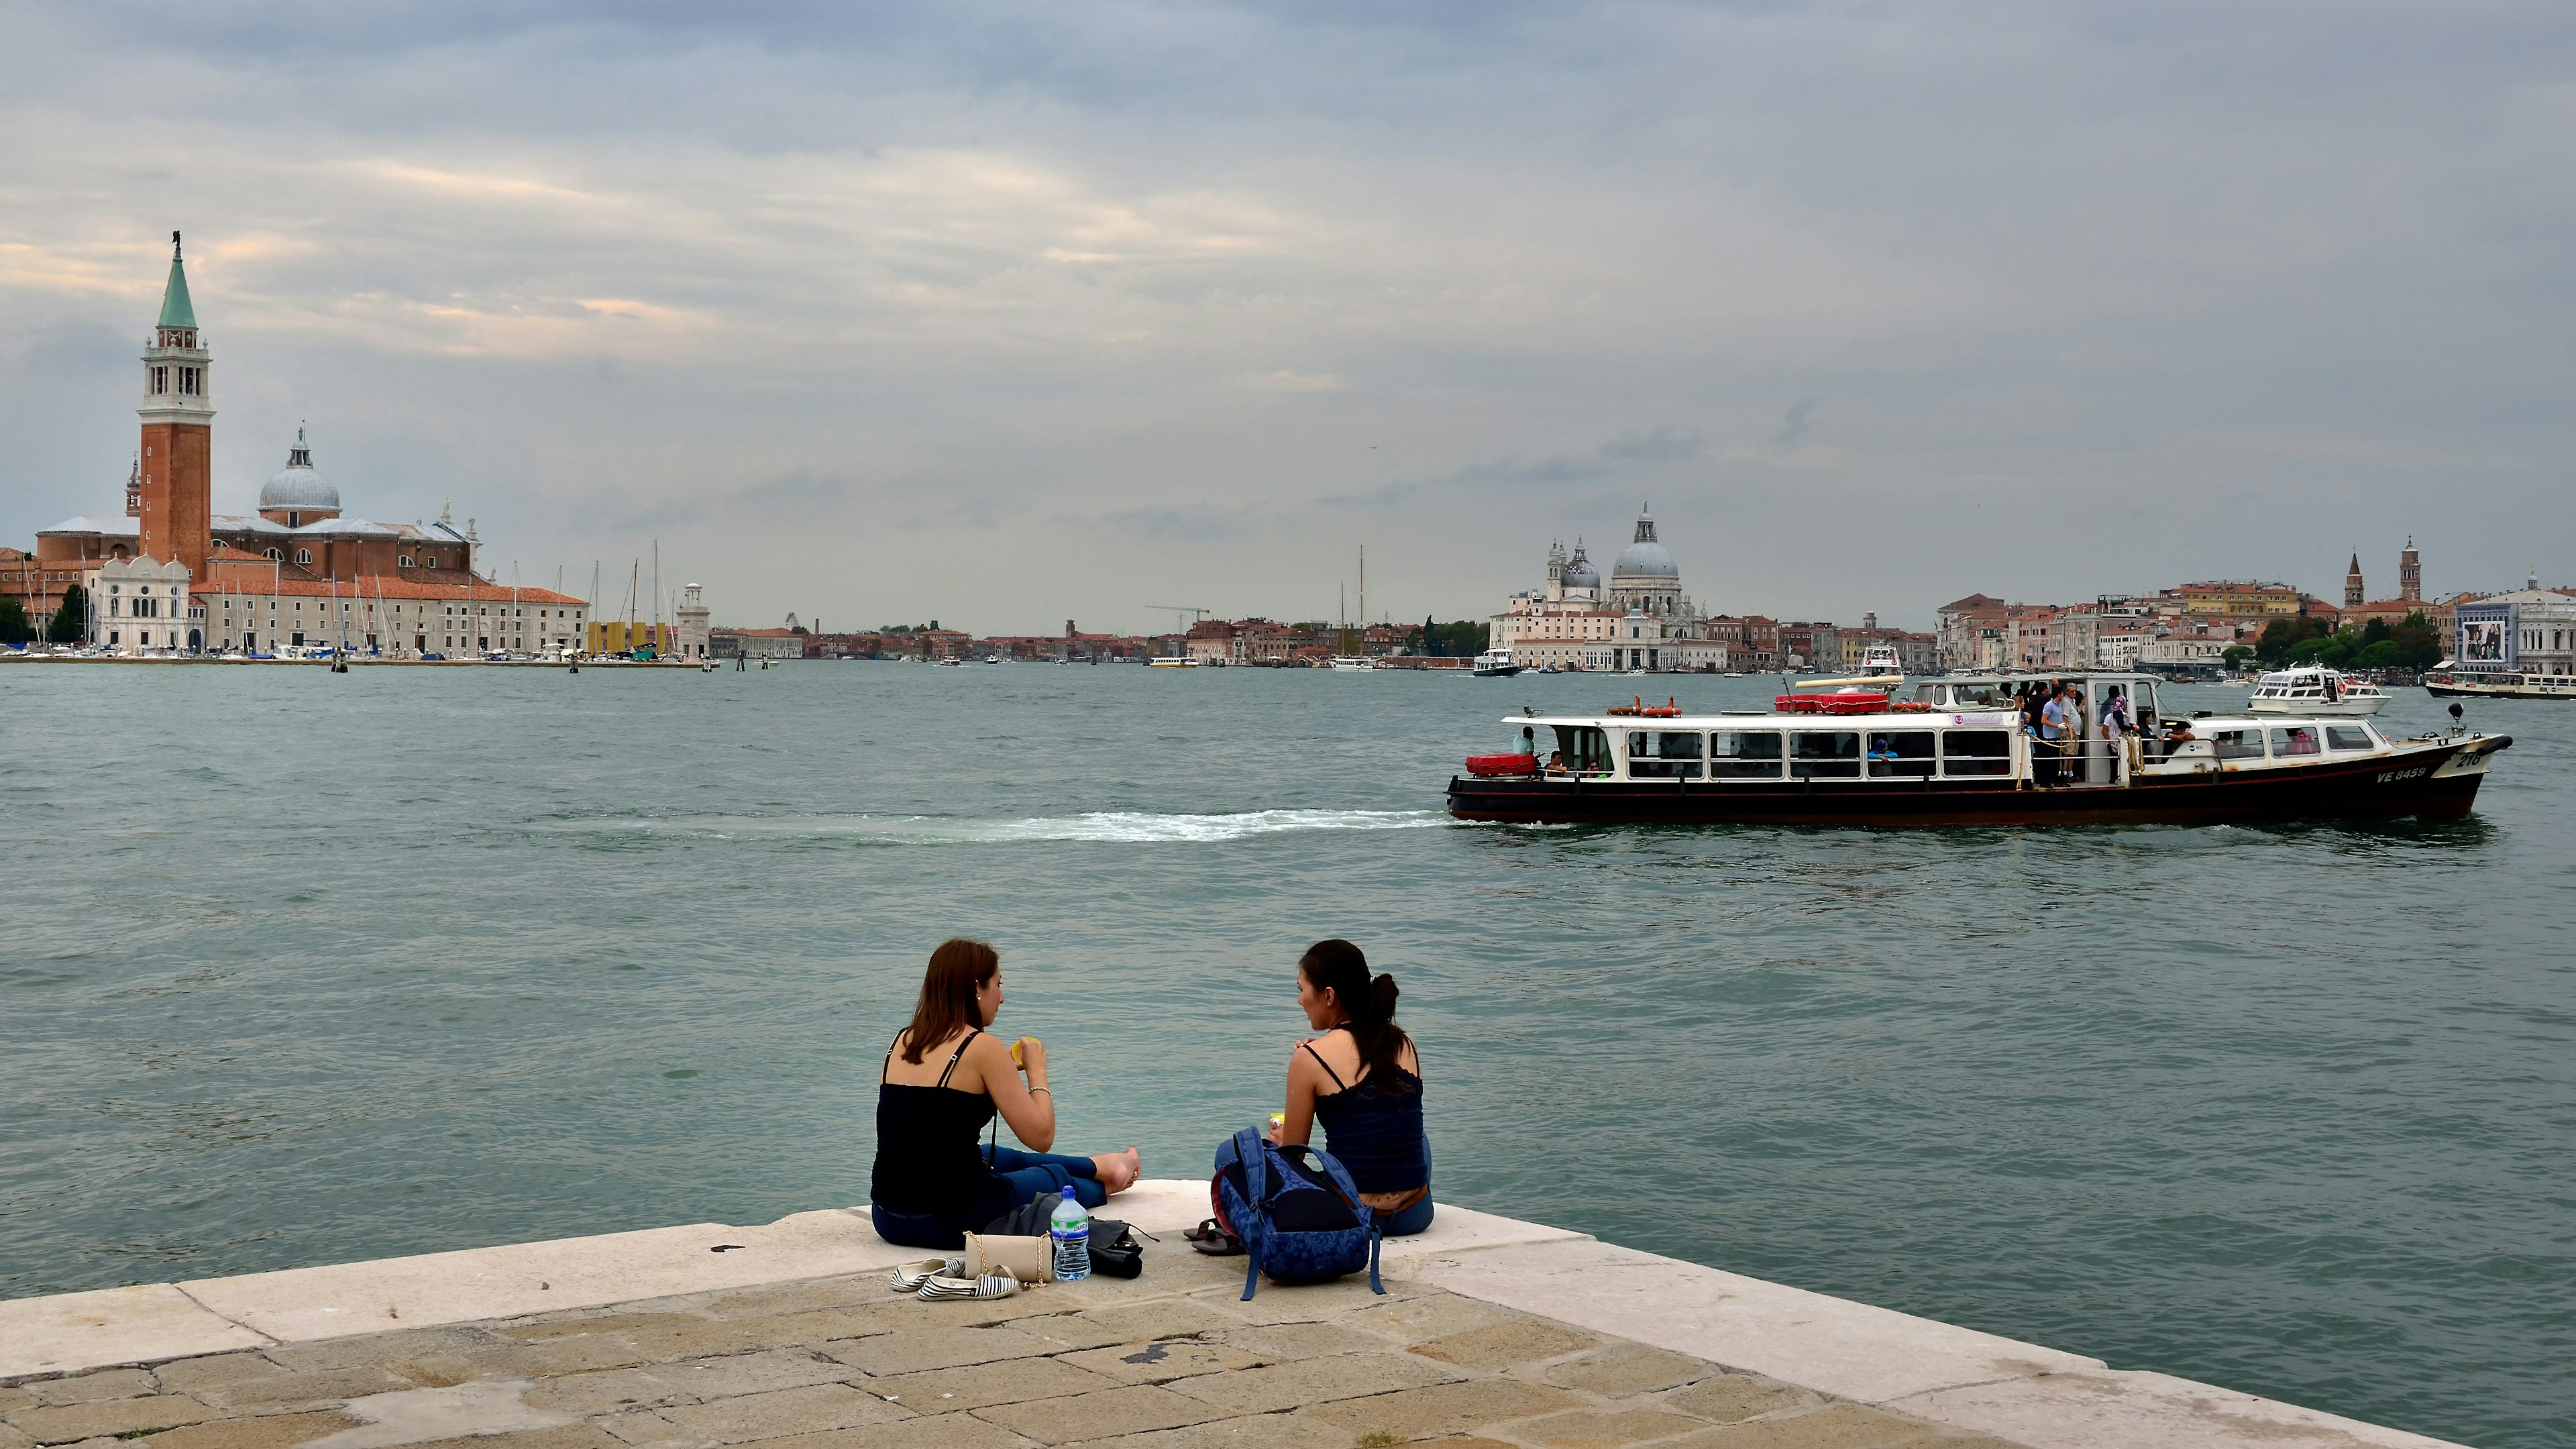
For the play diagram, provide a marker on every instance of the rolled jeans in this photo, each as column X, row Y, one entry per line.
column 1019, row 1178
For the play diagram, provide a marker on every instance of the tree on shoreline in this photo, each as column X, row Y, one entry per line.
column 14, row 628
column 71, row 617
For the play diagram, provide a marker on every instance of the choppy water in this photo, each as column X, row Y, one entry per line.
column 297, row 967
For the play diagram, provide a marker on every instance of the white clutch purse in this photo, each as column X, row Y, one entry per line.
column 1031, row 1260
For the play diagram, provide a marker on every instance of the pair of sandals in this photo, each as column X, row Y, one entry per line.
column 1211, row 1238
column 934, row 1279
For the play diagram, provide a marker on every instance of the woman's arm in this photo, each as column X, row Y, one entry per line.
column 1304, row 1076
column 1027, row 1106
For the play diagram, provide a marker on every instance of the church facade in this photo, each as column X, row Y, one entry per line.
column 169, row 575
column 1640, row 620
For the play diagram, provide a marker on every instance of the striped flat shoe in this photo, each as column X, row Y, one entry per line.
column 997, row 1284
column 910, row 1276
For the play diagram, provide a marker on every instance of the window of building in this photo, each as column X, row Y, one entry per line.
column 1824, row 754
column 304, row 555
column 404, row 561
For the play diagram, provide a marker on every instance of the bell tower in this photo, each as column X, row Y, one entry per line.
column 176, row 469
column 2352, row 587
column 2410, row 573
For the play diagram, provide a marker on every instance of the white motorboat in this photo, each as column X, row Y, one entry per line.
column 1351, row 662
column 1496, row 664
column 2315, row 689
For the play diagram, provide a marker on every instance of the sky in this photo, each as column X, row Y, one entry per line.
column 1006, row 314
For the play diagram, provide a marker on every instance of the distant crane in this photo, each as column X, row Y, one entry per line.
column 1179, row 625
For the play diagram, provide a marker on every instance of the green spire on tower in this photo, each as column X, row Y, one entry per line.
column 175, row 310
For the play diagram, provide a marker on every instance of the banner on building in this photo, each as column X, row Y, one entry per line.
column 2488, row 636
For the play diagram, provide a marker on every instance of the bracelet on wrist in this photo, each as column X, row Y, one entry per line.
column 1033, row 1091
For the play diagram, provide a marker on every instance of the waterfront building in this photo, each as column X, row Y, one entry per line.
column 689, row 639
column 1640, row 620
column 756, row 643
column 300, row 571
column 139, row 606
column 2530, row 631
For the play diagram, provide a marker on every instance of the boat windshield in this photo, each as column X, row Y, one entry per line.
column 1581, row 750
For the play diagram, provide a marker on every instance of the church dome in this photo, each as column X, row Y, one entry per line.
column 297, row 486
column 1645, row 558
column 1579, row 572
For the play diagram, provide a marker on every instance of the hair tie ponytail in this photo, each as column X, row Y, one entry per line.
column 1367, row 1002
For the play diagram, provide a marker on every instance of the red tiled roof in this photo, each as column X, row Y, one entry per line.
column 387, row 586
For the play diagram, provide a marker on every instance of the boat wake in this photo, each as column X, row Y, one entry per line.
column 1113, row 826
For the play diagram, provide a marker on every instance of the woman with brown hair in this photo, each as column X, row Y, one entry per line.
column 1363, row 1080
column 944, row 1078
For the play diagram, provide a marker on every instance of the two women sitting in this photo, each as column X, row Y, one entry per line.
column 947, row 1076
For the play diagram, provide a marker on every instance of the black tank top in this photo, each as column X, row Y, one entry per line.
column 1375, row 1128
column 927, row 1160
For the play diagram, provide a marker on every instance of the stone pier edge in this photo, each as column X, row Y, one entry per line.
column 1972, row 1381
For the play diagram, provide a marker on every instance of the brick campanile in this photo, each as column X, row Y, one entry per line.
column 178, row 429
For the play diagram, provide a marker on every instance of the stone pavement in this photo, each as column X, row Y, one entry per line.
column 1168, row 1361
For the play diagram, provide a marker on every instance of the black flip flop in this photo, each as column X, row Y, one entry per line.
column 1214, row 1241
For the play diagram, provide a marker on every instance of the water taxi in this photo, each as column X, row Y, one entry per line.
column 1496, row 664
column 2315, row 689
column 1956, row 754
column 2447, row 680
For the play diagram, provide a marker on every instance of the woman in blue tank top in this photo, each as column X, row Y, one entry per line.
column 1363, row 1080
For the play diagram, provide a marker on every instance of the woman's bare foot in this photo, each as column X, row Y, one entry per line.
column 1118, row 1171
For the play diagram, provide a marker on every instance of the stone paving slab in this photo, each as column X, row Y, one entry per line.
column 1501, row 1336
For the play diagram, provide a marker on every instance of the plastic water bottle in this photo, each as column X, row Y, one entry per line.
column 1070, row 1226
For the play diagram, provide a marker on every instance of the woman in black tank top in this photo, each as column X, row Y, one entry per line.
column 944, row 1079
column 1362, row 1080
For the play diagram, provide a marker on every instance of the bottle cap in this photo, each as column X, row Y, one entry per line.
column 1068, row 1192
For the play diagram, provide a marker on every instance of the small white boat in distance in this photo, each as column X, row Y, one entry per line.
column 1496, row 664
column 1351, row 662
column 1174, row 663
column 2315, row 689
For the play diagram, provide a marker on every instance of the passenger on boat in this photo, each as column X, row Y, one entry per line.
column 2055, row 718
column 1556, row 762
column 2177, row 734
column 2303, row 741
column 944, row 1078
column 1362, row 1079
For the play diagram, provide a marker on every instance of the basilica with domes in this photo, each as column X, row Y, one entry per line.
column 170, row 574
column 1641, row 620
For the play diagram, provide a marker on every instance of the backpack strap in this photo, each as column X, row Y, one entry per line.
column 1375, row 1239
column 1249, row 1148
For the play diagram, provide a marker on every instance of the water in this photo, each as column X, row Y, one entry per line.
column 299, row 967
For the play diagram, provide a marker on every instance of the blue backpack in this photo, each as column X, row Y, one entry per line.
column 1300, row 1219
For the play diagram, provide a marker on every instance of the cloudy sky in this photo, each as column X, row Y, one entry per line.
column 1005, row 313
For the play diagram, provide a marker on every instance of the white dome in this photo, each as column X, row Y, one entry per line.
column 297, row 486
column 1579, row 572
column 1645, row 558
column 1645, row 561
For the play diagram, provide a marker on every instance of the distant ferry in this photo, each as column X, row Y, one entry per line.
column 2315, row 689
column 2446, row 681
column 1496, row 664
column 1956, row 754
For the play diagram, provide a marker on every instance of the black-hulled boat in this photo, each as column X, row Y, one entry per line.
column 1955, row 755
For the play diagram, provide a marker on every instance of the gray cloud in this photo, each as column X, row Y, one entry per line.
column 1236, row 288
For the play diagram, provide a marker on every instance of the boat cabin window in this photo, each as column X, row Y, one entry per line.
column 1900, row 754
column 1980, row 694
column 1663, row 754
column 2237, row 744
column 1586, row 749
column 1976, row 752
column 1824, row 755
column 1744, row 755
column 2349, row 737
column 2294, row 740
